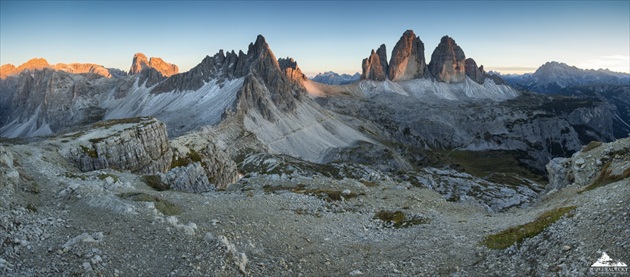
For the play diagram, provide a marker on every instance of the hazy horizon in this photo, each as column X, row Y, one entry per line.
column 508, row 37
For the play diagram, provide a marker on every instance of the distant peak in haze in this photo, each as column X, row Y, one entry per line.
column 140, row 62
column 332, row 78
column 77, row 68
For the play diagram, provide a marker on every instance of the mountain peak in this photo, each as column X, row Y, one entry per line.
column 407, row 58
column 140, row 62
column 448, row 62
column 375, row 66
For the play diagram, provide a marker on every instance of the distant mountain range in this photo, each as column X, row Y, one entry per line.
column 332, row 78
column 552, row 77
column 562, row 79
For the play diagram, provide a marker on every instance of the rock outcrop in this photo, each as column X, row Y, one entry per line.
column 475, row 73
column 375, row 66
column 291, row 70
column 200, row 171
column 408, row 59
column 9, row 176
column 448, row 62
column 139, row 145
column 140, row 62
column 596, row 164
column 45, row 101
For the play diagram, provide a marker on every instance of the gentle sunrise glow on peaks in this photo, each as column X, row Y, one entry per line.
column 510, row 36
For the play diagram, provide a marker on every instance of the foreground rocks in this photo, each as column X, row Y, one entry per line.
column 273, row 222
column 139, row 145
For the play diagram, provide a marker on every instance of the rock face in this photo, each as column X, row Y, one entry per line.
column 596, row 163
column 44, row 101
column 140, row 62
column 475, row 73
column 200, row 171
column 9, row 176
column 291, row 70
column 408, row 59
column 139, row 145
column 375, row 66
column 448, row 62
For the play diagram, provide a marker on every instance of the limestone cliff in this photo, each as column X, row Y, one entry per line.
column 448, row 62
column 408, row 59
column 139, row 145
column 140, row 62
column 375, row 66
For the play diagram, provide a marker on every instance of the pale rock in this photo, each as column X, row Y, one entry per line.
column 140, row 145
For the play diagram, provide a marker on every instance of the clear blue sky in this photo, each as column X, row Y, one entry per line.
column 506, row 36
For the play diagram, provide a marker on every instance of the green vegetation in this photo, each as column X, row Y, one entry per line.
column 327, row 195
column 110, row 123
column 517, row 234
column 497, row 166
column 163, row 206
column 591, row 145
column 104, row 176
column 31, row 207
column 369, row 183
column 155, row 182
column 91, row 152
column 191, row 157
column 606, row 177
column 75, row 176
column 399, row 219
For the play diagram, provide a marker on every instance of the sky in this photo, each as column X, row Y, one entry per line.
column 505, row 36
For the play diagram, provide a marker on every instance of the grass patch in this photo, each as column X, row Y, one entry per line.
column 163, row 206
column 104, row 176
column 191, row 157
column 369, row 183
column 90, row 152
column 499, row 166
column 606, row 177
column 327, row 195
column 398, row 219
column 75, row 176
column 155, row 182
column 517, row 234
column 112, row 122
column 31, row 207
column 591, row 145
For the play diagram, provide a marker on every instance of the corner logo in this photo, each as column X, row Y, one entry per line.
column 606, row 265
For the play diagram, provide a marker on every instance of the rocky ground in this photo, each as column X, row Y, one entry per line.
column 58, row 221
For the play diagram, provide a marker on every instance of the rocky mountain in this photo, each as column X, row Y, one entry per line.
column 332, row 78
column 213, row 165
column 554, row 76
column 475, row 73
column 76, row 68
column 375, row 66
column 448, row 62
column 408, row 59
column 562, row 79
column 140, row 62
